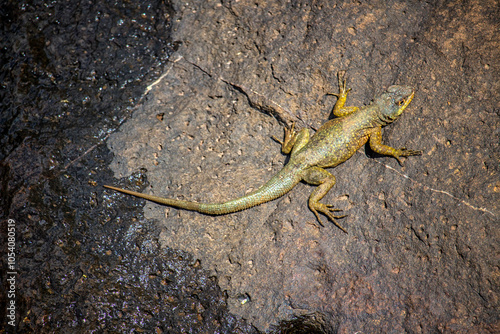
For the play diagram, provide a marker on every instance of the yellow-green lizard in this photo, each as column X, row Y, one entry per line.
column 334, row 142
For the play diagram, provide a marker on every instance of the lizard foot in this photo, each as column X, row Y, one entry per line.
column 342, row 83
column 403, row 152
column 327, row 210
column 342, row 86
column 292, row 140
column 289, row 134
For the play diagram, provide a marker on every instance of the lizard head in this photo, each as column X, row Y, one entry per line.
column 393, row 102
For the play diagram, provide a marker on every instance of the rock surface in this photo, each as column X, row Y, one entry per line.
column 421, row 253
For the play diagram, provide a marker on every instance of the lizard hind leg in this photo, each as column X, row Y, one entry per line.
column 325, row 181
column 293, row 141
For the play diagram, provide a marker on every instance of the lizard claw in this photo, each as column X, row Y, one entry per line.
column 342, row 84
column 327, row 210
column 403, row 152
column 407, row 153
column 289, row 133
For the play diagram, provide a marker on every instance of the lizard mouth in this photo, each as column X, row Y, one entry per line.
column 404, row 103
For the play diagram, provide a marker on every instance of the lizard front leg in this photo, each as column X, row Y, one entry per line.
column 377, row 146
column 325, row 181
column 339, row 109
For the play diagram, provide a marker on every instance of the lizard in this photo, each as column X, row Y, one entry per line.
column 332, row 144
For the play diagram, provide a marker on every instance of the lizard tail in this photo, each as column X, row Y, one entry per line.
column 193, row 206
column 276, row 187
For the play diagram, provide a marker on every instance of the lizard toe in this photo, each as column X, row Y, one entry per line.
column 327, row 210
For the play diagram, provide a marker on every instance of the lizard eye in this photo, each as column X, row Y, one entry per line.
column 401, row 102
